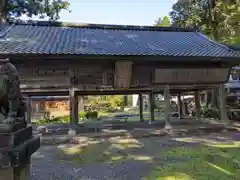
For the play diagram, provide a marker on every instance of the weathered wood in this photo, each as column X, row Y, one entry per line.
column 167, row 111
column 141, row 107
column 123, row 72
column 43, row 76
column 73, row 102
column 56, row 76
column 222, row 102
column 180, row 106
column 80, row 103
column 152, row 104
column 100, row 76
column 141, row 75
column 194, row 75
column 29, row 109
column 197, row 105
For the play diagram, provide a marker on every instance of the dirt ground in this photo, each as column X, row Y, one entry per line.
column 200, row 157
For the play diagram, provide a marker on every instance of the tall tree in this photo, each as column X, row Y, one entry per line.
column 218, row 19
column 41, row 8
column 165, row 22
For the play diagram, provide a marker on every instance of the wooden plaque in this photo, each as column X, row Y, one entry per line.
column 123, row 71
column 190, row 76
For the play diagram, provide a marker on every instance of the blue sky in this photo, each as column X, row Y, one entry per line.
column 128, row 12
column 135, row 12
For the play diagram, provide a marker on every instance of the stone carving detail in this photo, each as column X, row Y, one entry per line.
column 12, row 106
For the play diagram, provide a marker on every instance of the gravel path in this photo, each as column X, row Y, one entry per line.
column 47, row 166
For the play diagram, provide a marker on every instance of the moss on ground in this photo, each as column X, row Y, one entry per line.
column 206, row 162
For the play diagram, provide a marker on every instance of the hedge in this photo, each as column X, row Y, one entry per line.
column 66, row 118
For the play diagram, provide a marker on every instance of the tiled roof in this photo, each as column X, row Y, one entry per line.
column 50, row 38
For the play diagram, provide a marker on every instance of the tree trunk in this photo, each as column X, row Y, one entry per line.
column 213, row 16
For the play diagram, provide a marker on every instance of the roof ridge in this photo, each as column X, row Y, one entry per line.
column 99, row 26
column 212, row 41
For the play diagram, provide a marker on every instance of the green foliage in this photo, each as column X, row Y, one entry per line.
column 42, row 8
column 210, row 113
column 218, row 19
column 92, row 115
column 81, row 115
column 165, row 22
column 60, row 119
column 104, row 103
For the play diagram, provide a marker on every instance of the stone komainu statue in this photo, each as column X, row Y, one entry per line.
column 12, row 105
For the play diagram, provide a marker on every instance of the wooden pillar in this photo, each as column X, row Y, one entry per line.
column 73, row 102
column 29, row 109
column 141, row 107
column 167, row 112
column 183, row 107
column 125, row 100
column 151, row 104
column 222, row 102
column 80, row 104
column 197, row 105
column 180, row 106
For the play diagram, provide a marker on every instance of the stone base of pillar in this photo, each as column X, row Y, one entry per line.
column 72, row 132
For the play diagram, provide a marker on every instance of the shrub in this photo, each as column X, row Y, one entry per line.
column 81, row 115
column 59, row 119
column 210, row 113
column 92, row 114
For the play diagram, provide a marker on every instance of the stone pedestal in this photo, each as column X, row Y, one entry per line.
column 16, row 147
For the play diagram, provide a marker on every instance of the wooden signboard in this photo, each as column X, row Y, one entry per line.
column 43, row 77
column 190, row 76
column 123, row 71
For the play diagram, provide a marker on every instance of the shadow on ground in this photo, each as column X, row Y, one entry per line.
column 157, row 158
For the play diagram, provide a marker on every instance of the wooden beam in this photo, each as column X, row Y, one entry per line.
column 222, row 102
column 80, row 103
column 197, row 104
column 180, row 106
column 167, row 112
column 152, row 104
column 73, row 102
column 191, row 75
column 141, row 107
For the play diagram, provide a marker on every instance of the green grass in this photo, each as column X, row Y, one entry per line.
column 207, row 162
column 103, row 151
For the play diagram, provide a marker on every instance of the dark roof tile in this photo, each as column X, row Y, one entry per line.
column 35, row 38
